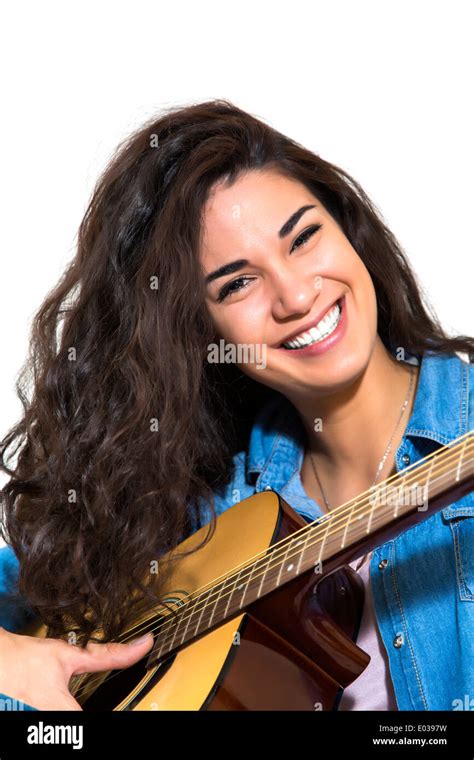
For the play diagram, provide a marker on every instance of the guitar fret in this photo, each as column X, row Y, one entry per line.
column 176, row 631
column 458, row 470
column 232, row 592
column 216, row 603
column 428, row 477
column 323, row 543
column 187, row 625
column 404, row 477
column 246, row 585
column 294, row 556
column 348, row 522
column 303, row 551
column 170, row 646
column 264, row 575
column 200, row 616
column 373, row 500
column 283, row 563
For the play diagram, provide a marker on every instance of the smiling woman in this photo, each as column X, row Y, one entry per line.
column 209, row 225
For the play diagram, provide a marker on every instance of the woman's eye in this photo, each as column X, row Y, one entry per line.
column 301, row 239
column 241, row 282
column 232, row 287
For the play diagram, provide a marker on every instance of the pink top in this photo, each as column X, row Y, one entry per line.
column 373, row 689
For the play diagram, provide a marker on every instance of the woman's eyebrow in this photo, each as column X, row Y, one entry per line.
column 294, row 219
column 230, row 268
column 234, row 266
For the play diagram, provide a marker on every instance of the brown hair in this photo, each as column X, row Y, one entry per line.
column 129, row 430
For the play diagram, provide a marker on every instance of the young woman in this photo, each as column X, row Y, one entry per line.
column 209, row 225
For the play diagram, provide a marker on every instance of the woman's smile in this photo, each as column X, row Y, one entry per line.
column 322, row 336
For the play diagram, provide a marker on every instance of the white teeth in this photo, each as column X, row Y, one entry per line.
column 325, row 327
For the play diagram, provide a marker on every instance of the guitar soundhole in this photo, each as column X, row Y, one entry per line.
column 119, row 684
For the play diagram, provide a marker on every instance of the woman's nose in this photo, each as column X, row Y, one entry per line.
column 294, row 293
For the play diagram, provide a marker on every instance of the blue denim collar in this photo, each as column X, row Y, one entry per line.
column 441, row 408
column 440, row 413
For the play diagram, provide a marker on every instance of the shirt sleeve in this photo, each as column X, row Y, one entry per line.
column 14, row 614
column 14, row 611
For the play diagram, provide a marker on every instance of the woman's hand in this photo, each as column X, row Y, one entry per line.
column 37, row 671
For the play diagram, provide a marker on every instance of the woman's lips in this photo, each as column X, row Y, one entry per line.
column 326, row 343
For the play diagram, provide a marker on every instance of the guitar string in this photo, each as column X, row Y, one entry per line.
column 270, row 552
column 324, row 519
column 91, row 681
column 271, row 557
column 341, row 510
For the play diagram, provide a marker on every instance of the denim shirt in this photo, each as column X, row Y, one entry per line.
column 423, row 590
column 422, row 580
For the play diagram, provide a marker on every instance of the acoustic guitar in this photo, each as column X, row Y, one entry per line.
column 265, row 615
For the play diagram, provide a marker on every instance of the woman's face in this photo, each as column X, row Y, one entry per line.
column 286, row 273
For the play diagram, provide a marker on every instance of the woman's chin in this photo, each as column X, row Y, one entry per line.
column 330, row 372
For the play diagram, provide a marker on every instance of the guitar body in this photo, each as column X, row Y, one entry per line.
column 292, row 649
column 292, row 645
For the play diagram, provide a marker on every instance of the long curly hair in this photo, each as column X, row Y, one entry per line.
column 126, row 429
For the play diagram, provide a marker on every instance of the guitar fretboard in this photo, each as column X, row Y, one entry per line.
column 349, row 525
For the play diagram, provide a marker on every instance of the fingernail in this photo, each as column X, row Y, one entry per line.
column 136, row 642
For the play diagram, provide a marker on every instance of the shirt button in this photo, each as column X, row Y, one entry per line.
column 383, row 564
column 406, row 459
column 267, row 488
column 399, row 640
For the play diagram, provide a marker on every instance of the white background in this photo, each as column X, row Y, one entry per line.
column 384, row 89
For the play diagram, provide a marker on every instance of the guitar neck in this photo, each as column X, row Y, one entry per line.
column 347, row 532
column 389, row 508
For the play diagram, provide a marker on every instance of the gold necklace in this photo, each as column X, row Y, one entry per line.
column 387, row 450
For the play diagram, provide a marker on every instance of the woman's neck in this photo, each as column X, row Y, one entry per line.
column 356, row 423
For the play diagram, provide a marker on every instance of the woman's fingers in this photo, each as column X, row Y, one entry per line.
column 109, row 656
